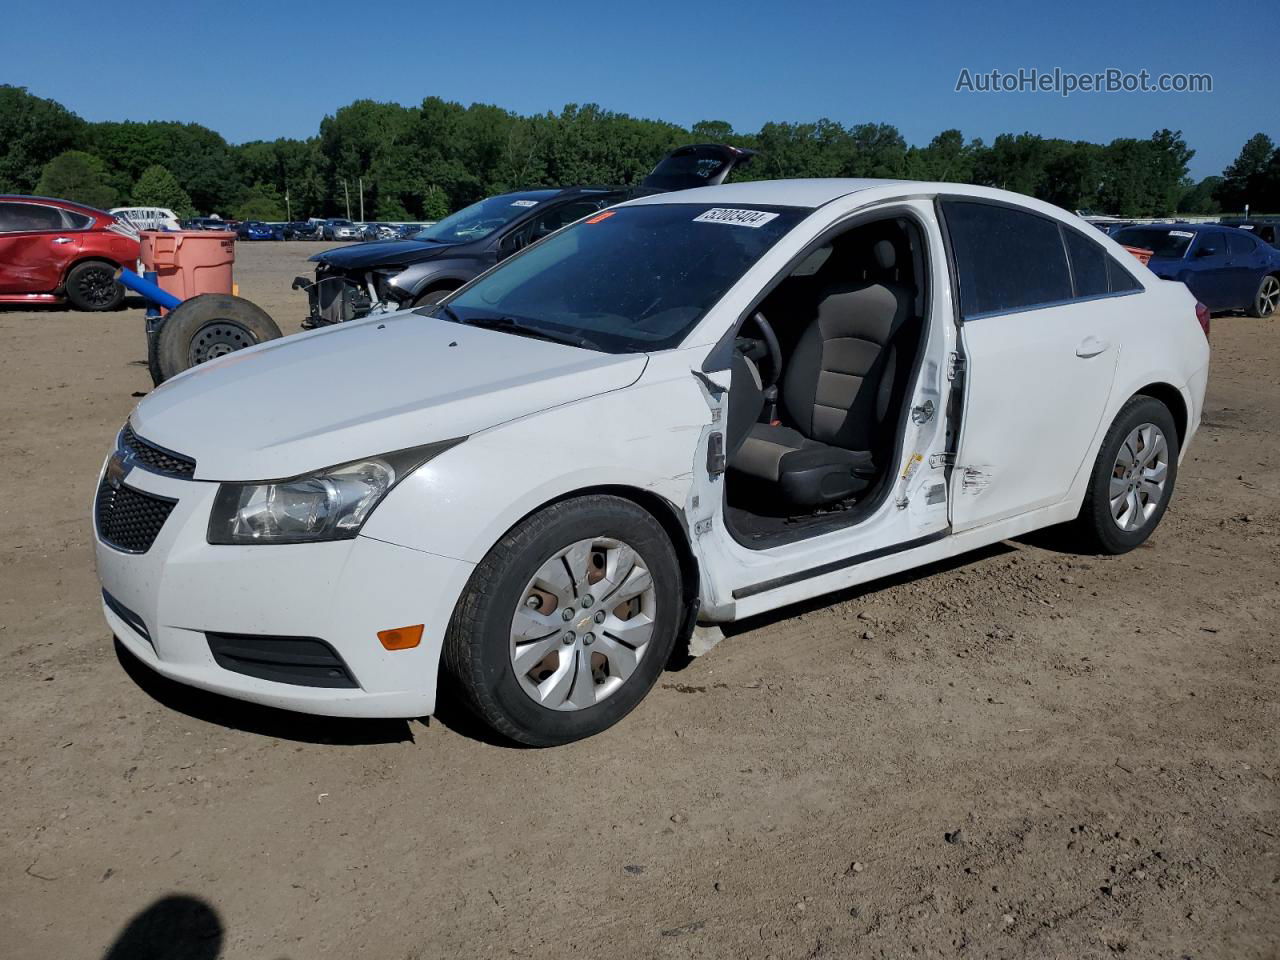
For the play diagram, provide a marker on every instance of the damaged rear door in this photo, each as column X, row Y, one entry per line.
column 1038, row 361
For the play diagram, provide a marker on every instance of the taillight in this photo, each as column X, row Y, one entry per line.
column 1202, row 314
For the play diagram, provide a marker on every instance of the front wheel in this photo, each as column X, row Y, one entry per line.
column 567, row 622
column 1132, row 478
column 1267, row 299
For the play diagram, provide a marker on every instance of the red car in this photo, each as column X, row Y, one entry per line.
column 55, row 250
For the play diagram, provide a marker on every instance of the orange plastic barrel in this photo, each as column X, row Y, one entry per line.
column 190, row 262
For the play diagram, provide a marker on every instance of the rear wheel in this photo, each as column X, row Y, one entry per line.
column 93, row 286
column 210, row 326
column 567, row 622
column 1132, row 478
column 1268, row 298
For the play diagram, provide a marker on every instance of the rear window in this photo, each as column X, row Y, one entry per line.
column 629, row 279
column 1007, row 259
column 1168, row 244
column 1088, row 265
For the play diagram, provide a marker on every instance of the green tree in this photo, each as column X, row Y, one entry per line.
column 157, row 187
column 1241, row 180
column 79, row 176
column 261, row 201
column 32, row 132
column 1199, row 197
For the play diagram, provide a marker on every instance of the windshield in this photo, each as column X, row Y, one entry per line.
column 480, row 219
column 1167, row 244
column 630, row 279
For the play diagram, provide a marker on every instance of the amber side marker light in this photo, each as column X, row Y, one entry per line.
column 401, row 638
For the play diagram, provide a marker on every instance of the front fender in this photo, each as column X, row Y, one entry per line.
column 460, row 504
column 417, row 277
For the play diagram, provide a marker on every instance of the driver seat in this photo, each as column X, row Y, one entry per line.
column 836, row 389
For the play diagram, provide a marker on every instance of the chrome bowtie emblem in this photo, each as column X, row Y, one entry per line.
column 117, row 467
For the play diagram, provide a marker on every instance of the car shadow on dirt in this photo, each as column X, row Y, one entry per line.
column 258, row 719
column 175, row 927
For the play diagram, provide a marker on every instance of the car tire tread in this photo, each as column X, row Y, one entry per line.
column 479, row 629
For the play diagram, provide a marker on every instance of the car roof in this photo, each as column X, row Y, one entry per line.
column 785, row 193
column 69, row 204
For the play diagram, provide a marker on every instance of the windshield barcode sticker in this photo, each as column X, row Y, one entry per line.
column 524, row 203
column 739, row 218
column 1181, row 233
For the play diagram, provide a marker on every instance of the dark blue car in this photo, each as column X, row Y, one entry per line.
column 257, row 230
column 1226, row 268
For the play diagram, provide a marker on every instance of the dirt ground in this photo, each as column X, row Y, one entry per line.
column 1024, row 752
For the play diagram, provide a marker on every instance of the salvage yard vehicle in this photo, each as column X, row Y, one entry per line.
column 678, row 412
column 1226, row 268
column 56, row 250
column 381, row 276
column 339, row 229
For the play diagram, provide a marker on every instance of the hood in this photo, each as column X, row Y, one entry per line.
column 364, row 388
column 380, row 253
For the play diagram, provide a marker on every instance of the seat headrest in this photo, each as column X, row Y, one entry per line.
column 885, row 257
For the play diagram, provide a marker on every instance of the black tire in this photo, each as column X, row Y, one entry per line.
column 1095, row 526
column 431, row 297
column 209, row 326
column 92, row 286
column 477, row 654
column 1264, row 301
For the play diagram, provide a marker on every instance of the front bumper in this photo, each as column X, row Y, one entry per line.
column 342, row 592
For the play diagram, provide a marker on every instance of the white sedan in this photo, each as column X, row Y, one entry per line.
column 682, row 411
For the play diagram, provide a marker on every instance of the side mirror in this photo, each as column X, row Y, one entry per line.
column 1207, row 251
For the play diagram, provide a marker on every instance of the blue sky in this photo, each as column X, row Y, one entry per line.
column 267, row 69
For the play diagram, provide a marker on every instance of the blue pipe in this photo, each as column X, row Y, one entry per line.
column 151, row 291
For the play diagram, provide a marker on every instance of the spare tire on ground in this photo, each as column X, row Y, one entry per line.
column 206, row 327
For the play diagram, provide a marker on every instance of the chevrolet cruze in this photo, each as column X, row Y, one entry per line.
column 672, row 414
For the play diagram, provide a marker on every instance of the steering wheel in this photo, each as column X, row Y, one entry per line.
column 771, row 345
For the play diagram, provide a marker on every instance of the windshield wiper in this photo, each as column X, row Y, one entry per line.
column 521, row 329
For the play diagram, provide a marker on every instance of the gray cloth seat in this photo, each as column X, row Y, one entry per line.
column 836, row 390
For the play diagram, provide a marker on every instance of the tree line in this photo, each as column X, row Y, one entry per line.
column 416, row 163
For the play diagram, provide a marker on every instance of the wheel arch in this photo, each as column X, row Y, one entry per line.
column 672, row 520
column 1172, row 398
column 87, row 258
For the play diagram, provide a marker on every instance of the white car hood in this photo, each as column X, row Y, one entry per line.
column 365, row 388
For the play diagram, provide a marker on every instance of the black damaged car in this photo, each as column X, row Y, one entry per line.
column 353, row 281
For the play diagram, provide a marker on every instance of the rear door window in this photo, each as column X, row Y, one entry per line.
column 1006, row 259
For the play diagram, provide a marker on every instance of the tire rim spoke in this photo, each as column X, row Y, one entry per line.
column 584, row 624
column 1138, row 477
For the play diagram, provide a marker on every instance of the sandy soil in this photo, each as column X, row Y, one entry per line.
column 1023, row 753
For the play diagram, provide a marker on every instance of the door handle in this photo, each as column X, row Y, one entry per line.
column 63, row 240
column 1091, row 347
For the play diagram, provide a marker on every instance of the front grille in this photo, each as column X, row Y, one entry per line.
column 129, row 519
column 156, row 459
column 301, row 661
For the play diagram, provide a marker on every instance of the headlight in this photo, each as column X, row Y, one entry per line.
column 330, row 504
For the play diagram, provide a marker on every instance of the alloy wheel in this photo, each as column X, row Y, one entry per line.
column 1268, row 296
column 97, row 286
column 1139, row 476
column 584, row 622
